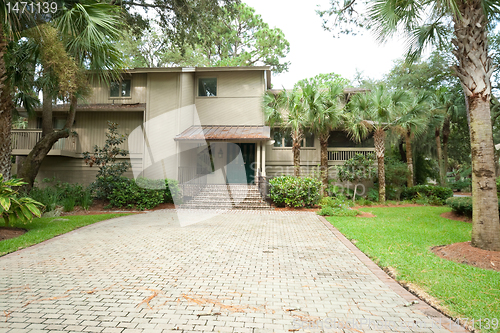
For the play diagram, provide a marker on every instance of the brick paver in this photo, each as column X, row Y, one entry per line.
column 236, row 272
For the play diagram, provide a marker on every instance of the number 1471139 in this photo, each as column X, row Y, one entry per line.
column 22, row 7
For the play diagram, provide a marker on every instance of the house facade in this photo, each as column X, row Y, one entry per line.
column 196, row 125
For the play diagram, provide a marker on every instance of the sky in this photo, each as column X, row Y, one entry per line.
column 314, row 51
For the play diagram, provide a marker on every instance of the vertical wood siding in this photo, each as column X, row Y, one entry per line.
column 100, row 92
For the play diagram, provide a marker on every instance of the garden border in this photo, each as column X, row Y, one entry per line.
column 423, row 306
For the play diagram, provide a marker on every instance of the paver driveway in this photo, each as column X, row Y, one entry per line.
column 236, row 272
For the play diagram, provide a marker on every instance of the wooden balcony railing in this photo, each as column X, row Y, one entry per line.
column 25, row 139
column 344, row 154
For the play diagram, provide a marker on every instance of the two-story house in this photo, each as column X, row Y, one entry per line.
column 196, row 125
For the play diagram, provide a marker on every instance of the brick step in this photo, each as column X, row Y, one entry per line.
column 211, row 207
column 214, row 196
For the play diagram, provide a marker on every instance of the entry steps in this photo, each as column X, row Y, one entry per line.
column 230, row 196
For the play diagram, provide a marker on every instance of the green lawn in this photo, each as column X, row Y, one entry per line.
column 401, row 238
column 42, row 229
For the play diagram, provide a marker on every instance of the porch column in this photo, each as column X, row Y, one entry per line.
column 263, row 160
column 257, row 165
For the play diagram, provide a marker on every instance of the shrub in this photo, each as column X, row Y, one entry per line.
column 69, row 204
column 432, row 192
column 462, row 185
column 357, row 169
column 13, row 207
column 87, row 199
column 129, row 193
column 59, row 194
column 110, row 171
column 396, row 173
column 336, row 206
column 462, row 205
column 294, row 191
column 372, row 194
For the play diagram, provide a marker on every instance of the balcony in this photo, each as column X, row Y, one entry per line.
column 341, row 155
column 23, row 140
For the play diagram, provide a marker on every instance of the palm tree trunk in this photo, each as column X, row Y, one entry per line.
column 446, row 136
column 323, row 140
column 296, row 157
column 440, row 157
column 5, row 112
column 379, row 138
column 34, row 160
column 409, row 159
column 474, row 71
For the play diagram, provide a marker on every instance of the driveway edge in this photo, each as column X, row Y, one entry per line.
column 423, row 306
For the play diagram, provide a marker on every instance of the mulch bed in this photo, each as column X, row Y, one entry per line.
column 8, row 232
column 465, row 253
column 456, row 217
column 98, row 208
column 366, row 214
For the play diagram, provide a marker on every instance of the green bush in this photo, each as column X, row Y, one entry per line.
column 127, row 193
column 294, row 191
column 426, row 191
column 14, row 207
column 462, row 185
column 372, row 194
column 59, row 194
column 396, row 173
column 462, row 205
column 68, row 204
column 336, row 206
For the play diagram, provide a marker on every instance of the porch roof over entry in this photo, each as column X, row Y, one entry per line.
column 224, row 133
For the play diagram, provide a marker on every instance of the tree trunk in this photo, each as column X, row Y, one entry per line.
column 34, row 160
column 402, row 152
column 442, row 177
column 379, row 138
column 296, row 158
column 409, row 159
column 323, row 140
column 446, row 136
column 5, row 112
column 474, row 71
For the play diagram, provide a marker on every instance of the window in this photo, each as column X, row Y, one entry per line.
column 284, row 139
column 120, row 89
column 57, row 123
column 207, row 87
column 339, row 139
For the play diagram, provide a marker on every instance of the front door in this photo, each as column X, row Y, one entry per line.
column 236, row 165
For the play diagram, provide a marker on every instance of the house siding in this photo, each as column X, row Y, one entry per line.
column 100, row 92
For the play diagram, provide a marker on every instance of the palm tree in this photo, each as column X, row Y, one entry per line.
column 446, row 105
column 412, row 122
column 11, row 26
column 81, row 39
column 471, row 21
column 285, row 109
column 323, row 106
column 376, row 112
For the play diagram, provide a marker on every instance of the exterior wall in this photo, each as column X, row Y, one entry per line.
column 100, row 92
column 238, row 100
column 71, row 170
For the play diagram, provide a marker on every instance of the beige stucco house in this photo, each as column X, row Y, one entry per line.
column 190, row 124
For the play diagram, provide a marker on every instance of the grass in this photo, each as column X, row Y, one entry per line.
column 41, row 229
column 401, row 238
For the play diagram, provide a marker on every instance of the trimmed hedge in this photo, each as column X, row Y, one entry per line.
column 419, row 191
column 294, row 191
column 462, row 205
column 143, row 193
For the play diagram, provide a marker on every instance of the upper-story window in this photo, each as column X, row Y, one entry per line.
column 120, row 88
column 207, row 86
column 284, row 139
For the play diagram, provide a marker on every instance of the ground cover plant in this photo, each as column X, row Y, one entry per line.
column 55, row 193
column 401, row 238
column 336, row 206
column 41, row 229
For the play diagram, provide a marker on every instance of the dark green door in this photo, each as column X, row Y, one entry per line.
column 236, row 166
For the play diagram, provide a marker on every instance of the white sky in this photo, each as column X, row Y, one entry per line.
column 314, row 51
